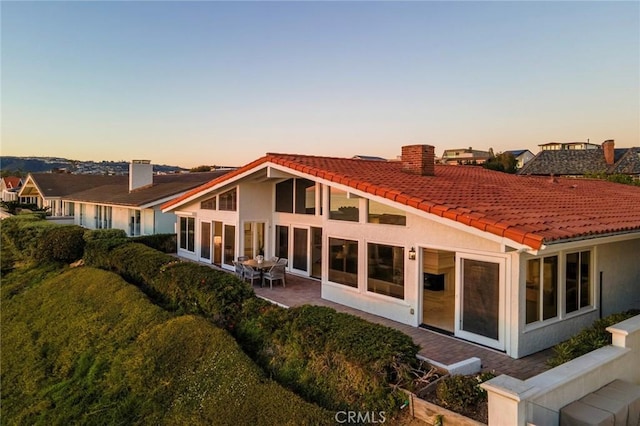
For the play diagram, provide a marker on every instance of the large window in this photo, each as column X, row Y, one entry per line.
column 542, row 289
column 343, row 208
column 103, row 217
column 343, row 262
column 134, row 222
column 228, row 200
column 385, row 270
column 282, row 241
column 296, row 196
column 187, row 233
column 305, row 196
column 381, row 213
column 209, row 204
column 578, row 281
column 284, row 196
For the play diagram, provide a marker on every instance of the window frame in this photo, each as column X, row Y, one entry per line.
column 188, row 237
column 229, row 204
column 369, row 246
column 330, row 260
column 541, row 285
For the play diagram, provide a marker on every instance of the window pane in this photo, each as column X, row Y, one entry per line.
column 305, row 196
column 229, row 244
column 341, row 207
column 381, row 213
column 550, row 285
column 585, row 275
column 228, row 200
column 248, row 239
column 300, row 244
column 191, row 233
column 480, row 296
column 284, row 196
column 282, row 241
column 183, row 233
column 386, row 270
column 343, row 261
column 533, row 290
column 205, row 240
column 209, row 204
column 572, row 282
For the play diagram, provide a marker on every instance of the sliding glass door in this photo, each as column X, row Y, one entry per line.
column 481, row 309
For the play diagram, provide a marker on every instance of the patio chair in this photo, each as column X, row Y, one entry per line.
column 239, row 268
column 251, row 274
column 242, row 258
column 274, row 274
column 283, row 261
column 274, row 259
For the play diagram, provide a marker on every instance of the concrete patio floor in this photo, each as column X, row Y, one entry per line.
column 436, row 347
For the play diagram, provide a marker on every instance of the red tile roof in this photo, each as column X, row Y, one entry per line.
column 530, row 210
column 11, row 182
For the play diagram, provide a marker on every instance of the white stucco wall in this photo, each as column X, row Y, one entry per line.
column 164, row 222
column 620, row 266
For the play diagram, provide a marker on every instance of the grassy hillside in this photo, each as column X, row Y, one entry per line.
column 85, row 347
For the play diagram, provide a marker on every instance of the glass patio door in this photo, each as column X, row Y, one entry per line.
column 205, row 241
column 481, row 306
column 300, row 249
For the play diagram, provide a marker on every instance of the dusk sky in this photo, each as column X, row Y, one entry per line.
column 190, row 83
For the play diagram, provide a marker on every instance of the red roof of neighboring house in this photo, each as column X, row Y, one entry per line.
column 530, row 210
column 11, row 182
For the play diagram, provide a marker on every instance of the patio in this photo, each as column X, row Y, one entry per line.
column 436, row 347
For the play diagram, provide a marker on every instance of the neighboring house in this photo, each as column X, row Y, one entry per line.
column 554, row 146
column 130, row 203
column 522, row 155
column 464, row 156
column 577, row 162
column 516, row 263
column 9, row 187
column 48, row 190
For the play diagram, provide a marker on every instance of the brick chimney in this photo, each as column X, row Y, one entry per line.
column 140, row 174
column 608, row 148
column 418, row 159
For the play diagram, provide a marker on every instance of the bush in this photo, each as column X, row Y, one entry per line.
column 100, row 353
column 336, row 360
column 24, row 231
column 61, row 244
column 104, row 234
column 588, row 339
column 462, row 393
column 97, row 251
column 166, row 243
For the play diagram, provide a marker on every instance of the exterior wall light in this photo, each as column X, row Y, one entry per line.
column 412, row 254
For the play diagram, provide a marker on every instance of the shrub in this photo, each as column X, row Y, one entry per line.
column 589, row 339
column 103, row 234
column 24, row 231
column 336, row 360
column 461, row 393
column 166, row 243
column 97, row 251
column 61, row 244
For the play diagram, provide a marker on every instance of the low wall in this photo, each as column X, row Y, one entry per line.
column 537, row 401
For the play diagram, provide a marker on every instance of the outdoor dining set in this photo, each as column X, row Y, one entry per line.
column 261, row 269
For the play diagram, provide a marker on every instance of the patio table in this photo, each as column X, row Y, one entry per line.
column 262, row 266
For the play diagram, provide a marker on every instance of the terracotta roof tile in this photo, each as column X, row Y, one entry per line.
column 532, row 210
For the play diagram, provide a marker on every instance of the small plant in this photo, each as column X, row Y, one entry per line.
column 588, row 339
column 461, row 393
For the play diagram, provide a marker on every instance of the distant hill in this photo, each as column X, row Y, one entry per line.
column 24, row 165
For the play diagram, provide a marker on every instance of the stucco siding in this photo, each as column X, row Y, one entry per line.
column 619, row 264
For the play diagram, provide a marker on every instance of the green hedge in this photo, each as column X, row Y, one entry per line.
column 166, row 243
column 103, row 234
column 336, row 360
column 24, row 231
column 61, row 244
column 589, row 339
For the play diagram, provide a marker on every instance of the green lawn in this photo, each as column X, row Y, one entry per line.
column 85, row 347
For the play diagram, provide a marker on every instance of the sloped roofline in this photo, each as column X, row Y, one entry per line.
column 482, row 223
